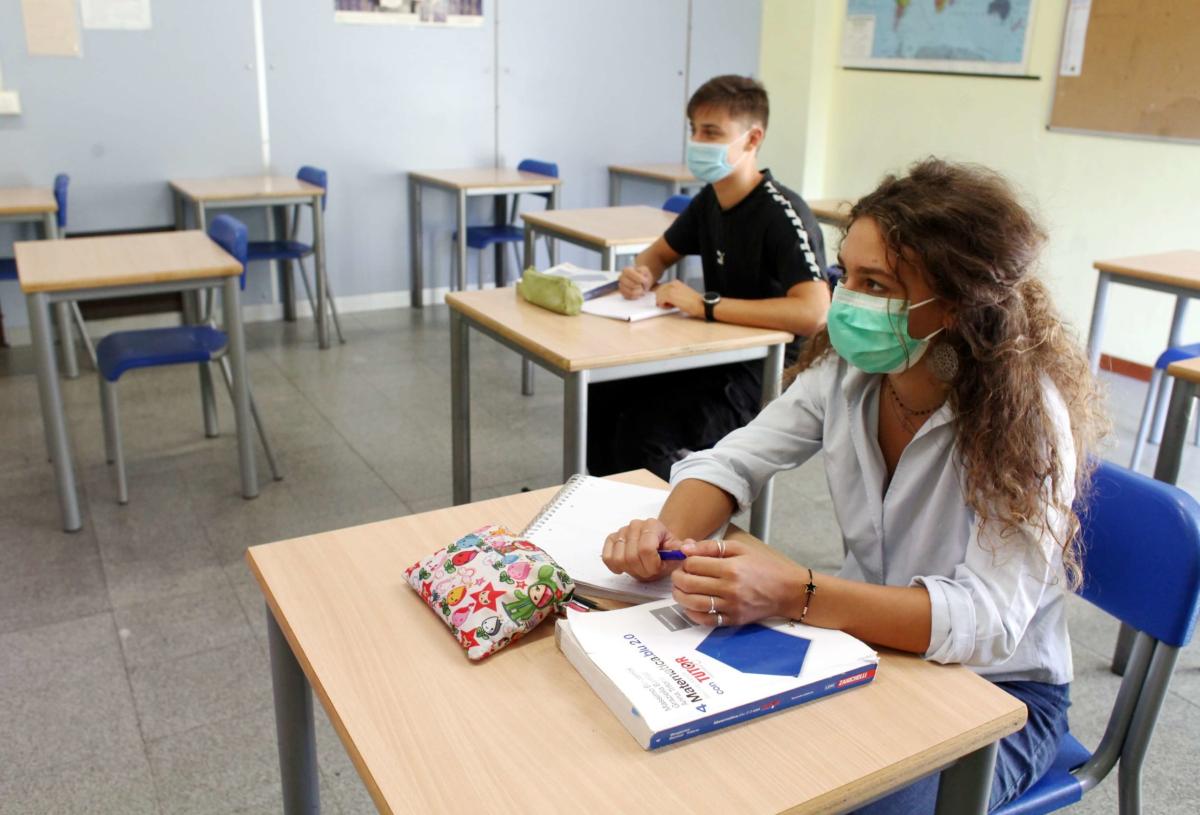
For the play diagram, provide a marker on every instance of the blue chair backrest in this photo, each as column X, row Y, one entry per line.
column 61, row 181
column 232, row 236
column 677, row 203
column 1141, row 552
column 835, row 273
column 317, row 176
column 533, row 165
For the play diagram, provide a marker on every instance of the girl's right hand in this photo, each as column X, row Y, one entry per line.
column 633, row 550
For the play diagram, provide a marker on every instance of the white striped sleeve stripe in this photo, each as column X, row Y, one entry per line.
column 801, row 233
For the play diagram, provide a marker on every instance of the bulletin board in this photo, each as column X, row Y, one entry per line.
column 1130, row 69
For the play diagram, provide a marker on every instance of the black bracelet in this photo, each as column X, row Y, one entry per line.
column 809, row 590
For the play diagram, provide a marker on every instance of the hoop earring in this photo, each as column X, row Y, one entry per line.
column 942, row 361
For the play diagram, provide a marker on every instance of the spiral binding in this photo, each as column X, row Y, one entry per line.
column 560, row 498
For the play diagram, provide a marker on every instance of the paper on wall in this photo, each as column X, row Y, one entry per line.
column 1075, row 37
column 132, row 15
column 51, row 29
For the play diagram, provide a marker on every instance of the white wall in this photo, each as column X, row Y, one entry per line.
column 579, row 82
column 1100, row 197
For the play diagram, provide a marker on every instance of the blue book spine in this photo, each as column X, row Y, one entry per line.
column 752, row 710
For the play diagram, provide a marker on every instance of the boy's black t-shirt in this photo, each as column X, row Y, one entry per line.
column 758, row 248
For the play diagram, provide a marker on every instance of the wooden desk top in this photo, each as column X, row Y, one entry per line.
column 429, row 731
column 121, row 260
column 585, row 341
column 1179, row 268
column 1187, row 370
column 835, row 211
column 658, row 172
column 27, row 201
column 244, row 188
column 470, row 178
column 605, row 226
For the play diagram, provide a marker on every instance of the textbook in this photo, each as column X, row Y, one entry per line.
column 668, row 679
column 573, row 526
column 616, row 307
column 591, row 282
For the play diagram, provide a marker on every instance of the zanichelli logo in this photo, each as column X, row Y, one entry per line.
column 858, row 677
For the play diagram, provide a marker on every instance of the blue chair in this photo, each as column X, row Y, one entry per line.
column 834, row 274
column 124, row 351
column 677, row 203
column 291, row 249
column 481, row 237
column 1141, row 564
column 8, row 266
column 1157, row 398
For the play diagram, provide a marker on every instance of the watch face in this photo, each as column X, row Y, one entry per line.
column 712, row 297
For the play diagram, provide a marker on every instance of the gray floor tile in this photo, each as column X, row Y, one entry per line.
column 106, row 783
column 183, row 693
column 63, row 591
column 228, row 765
column 180, row 625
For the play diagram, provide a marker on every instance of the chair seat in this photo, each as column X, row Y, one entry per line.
column 125, row 350
column 276, row 250
column 8, row 268
column 1057, row 788
column 1177, row 354
column 481, row 237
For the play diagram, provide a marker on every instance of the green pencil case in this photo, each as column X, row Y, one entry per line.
column 551, row 292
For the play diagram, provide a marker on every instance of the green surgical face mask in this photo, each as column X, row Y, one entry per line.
column 871, row 333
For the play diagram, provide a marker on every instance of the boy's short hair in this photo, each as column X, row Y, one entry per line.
column 742, row 97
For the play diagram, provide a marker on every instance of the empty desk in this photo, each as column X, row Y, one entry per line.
column 611, row 231
column 675, row 178
column 831, row 211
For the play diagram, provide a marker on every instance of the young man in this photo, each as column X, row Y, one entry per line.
column 764, row 265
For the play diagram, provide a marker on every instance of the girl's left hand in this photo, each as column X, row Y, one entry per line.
column 752, row 581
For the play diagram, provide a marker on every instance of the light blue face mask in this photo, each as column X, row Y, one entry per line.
column 709, row 161
column 871, row 333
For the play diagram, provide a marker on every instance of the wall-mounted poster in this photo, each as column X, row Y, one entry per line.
column 446, row 13
column 956, row 36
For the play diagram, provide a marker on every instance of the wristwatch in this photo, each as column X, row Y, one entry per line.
column 711, row 298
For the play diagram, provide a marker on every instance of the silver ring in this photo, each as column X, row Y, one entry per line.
column 712, row 604
column 720, row 619
column 721, row 547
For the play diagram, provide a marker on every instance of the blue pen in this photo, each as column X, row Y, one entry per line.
column 672, row 554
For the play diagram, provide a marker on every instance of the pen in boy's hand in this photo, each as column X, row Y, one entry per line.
column 671, row 554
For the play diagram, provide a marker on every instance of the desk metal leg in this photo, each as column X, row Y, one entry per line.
column 760, row 512
column 416, row 273
column 1173, row 339
column 319, row 261
column 177, row 206
column 460, row 247
column 608, row 259
column 1166, row 468
column 553, row 242
column 62, row 311
column 281, row 222
column 294, row 731
column 966, row 784
column 55, row 423
column 530, row 259
column 1096, row 332
column 499, row 218
column 241, row 393
column 575, row 405
column 614, row 189
column 460, row 407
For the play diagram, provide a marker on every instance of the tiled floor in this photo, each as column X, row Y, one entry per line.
column 133, row 670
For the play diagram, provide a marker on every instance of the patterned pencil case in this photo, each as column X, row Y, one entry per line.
column 491, row 587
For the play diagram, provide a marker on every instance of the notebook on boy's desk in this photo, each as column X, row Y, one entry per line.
column 617, row 307
column 573, row 526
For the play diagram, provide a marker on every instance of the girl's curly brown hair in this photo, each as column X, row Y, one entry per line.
column 977, row 247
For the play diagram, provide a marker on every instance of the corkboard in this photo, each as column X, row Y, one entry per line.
column 1140, row 74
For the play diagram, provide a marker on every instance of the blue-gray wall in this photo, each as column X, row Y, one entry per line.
column 580, row 82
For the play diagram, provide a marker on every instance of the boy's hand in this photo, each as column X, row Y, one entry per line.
column 682, row 296
column 635, row 281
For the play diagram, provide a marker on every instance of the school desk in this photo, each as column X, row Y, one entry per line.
column 585, row 349
column 831, row 211
column 522, row 733
column 276, row 194
column 37, row 205
column 126, row 266
column 675, row 178
column 496, row 182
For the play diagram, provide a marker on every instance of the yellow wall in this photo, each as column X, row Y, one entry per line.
column 835, row 132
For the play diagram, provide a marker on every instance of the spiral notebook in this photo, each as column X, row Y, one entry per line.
column 573, row 526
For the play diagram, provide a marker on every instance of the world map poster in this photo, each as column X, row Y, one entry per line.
column 958, row 36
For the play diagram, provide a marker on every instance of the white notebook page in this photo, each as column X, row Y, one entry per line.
column 616, row 307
